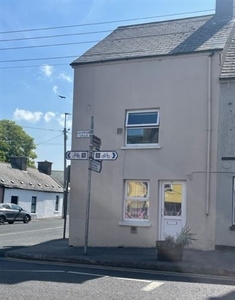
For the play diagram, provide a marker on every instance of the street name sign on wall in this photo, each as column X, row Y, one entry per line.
column 83, row 134
column 105, row 155
column 76, row 155
column 96, row 166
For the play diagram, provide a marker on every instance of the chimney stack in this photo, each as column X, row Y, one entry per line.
column 19, row 162
column 225, row 9
column 44, row 167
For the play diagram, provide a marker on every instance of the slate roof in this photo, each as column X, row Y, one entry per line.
column 228, row 70
column 31, row 179
column 58, row 176
column 161, row 38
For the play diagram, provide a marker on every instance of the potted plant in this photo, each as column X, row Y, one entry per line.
column 171, row 249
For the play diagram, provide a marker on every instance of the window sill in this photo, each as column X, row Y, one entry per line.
column 134, row 224
column 232, row 228
column 140, row 147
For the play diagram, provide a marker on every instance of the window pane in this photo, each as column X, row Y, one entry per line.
column 33, row 204
column 137, row 189
column 142, row 136
column 144, row 118
column 172, row 199
column 15, row 207
column 57, row 203
column 136, row 210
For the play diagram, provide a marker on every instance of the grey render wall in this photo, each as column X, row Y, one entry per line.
column 178, row 86
column 226, row 168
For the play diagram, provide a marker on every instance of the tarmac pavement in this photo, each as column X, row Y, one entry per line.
column 217, row 262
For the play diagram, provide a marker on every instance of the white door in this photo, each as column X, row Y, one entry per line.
column 172, row 208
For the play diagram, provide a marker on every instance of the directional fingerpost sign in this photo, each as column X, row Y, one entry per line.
column 76, row 155
column 96, row 166
column 105, row 155
column 96, row 142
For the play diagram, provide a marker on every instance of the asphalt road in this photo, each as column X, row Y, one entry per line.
column 33, row 280
column 24, row 280
column 18, row 235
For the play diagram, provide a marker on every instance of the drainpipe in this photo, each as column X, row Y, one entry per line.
column 209, row 129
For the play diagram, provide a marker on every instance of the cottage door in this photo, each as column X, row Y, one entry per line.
column 172, row 208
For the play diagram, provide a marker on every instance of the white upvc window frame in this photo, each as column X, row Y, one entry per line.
column 127, row 217
column 141, row 126
column 233, row 199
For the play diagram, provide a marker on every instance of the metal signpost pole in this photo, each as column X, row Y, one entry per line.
column 89, row 186
column 65, row 166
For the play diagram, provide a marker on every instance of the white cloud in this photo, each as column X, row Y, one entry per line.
column 65, row 77
column 47, row 70
column 68, row 121
column 33, row 117
column 49, row 116
column 26, row 115
column 55, row 89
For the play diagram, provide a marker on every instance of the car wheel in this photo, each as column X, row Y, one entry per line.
column 26, row 219
column 2, row 219
column 10, row 222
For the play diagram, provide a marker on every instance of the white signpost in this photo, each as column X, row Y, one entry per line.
column 76, row 155
column 105, row 155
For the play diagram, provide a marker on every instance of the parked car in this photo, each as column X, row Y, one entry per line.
column 10, row 212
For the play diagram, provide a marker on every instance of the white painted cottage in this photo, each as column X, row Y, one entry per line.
column 33, row 189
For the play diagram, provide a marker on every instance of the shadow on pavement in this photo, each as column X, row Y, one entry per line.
column 230, row 296
column 141, row 263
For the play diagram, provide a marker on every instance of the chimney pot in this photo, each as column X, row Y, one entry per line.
column 19, row 162
column 45, row 167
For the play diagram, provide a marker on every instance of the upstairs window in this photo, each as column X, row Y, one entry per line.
column 142, row 128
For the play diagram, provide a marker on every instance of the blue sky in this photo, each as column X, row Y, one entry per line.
column 30, row 80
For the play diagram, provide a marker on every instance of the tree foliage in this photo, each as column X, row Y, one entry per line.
column 14, row 141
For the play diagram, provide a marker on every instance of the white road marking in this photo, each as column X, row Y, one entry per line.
column 34, row 271
column 153, row 285
column 17, row 233
column 88, row 274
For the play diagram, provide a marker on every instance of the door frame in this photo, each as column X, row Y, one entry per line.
column 161, row 203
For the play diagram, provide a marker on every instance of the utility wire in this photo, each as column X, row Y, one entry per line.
column 41, row 128
column 32, row 66
column 49, row 140
column 43, row 58
column 93, row 54
column 109, row 40
column 49, row 45
column 55, row 36
column 106, row 22
column 149, row 25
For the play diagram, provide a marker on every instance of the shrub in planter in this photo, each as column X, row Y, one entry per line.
column 172, row 248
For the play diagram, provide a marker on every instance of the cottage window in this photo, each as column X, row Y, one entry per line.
column 33, row 204
column 142, row 128
column 14, row 199
column 57, row 203
column 233, row 200
column 136, row 206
